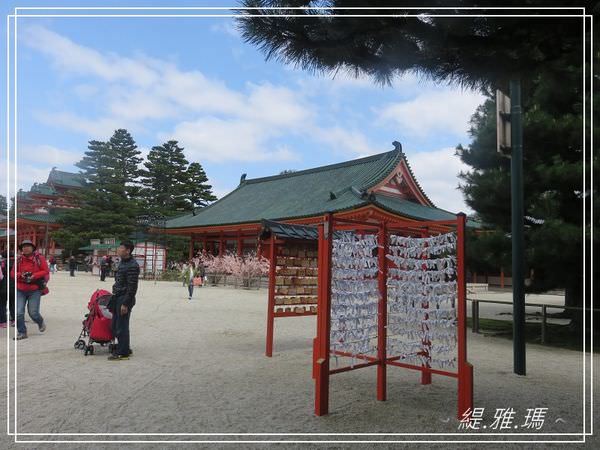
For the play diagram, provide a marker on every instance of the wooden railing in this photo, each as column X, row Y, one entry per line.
column 475, row 313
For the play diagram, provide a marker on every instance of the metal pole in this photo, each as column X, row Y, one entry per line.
column 475, row 314
column 544, row 317
column 517, row 227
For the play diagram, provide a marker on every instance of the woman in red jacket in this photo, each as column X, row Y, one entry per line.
column 31, row 275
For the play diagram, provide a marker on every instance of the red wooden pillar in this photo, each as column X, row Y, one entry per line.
column 465, row 370
column 271, row 302
column 323, row 318
column 191, row 249
column 240, row 245
column 502, row 277
column 221, row 246
column 204, row 243
column 382, row 315
column 425, row 373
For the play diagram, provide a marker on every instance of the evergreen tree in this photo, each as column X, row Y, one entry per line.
column 199, row 192
column 471, row 51
column 3, row 205
column 109, row 200
column 165, row 179
column 553, row 184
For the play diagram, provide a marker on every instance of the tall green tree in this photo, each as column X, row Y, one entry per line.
column 165, row 179
column 109, row 200
column 553, row 185
column 3, row 205
column 199, row 192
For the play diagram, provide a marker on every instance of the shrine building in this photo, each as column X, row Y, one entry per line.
column 378, row 187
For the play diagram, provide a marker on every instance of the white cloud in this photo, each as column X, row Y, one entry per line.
column 437, row 172
column 82, row 60
column 276, row 106
column 218, row 140
column 27, row 174
column 221, row 124
column 346, row 141
column 99, row 128
column 47, row 154
column 226, row 26
column 434, row 112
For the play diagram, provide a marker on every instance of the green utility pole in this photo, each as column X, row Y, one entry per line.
column 518, row 243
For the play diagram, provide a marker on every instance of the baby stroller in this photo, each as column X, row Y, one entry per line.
column 97, row 324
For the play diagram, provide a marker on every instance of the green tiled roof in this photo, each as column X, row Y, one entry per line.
column 65, row 178
column 50, row 218
column 3, row 232
column 43, row 189
column 23, row 195
column 298, row 194
column 307, row 193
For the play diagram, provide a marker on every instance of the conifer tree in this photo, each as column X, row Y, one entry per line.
column 199, row 192
column 109, row 200
column 165, row 179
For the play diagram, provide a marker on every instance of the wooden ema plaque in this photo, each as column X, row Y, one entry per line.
column 293, row 278
column 296, row 280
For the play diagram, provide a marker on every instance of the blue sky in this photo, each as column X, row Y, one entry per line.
column 196, row 81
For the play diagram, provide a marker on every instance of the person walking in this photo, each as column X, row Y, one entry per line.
column 7, row 295
column 184, row 268
column 190, row 275
column 72, row 265
column 123, row 299
column 31, row 273
column 52, row 262
column 103, row 268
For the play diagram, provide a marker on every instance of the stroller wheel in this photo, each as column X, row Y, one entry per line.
column 81, row 344
column 76, row 345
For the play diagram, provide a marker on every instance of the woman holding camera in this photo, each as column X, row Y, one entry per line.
column 31, row 275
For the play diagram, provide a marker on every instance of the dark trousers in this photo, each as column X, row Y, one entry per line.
column 6, row 297
column 120, row 329
column 102, row 274
column 72, row 272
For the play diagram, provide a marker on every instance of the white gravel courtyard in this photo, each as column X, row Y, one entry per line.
column 199, row 367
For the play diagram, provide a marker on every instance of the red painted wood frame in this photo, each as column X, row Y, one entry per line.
column 271, row 314
column 321, row 344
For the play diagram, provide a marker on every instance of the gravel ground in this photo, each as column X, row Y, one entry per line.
column 199, row 367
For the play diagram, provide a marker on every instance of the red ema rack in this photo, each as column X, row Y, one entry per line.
column 321, row 344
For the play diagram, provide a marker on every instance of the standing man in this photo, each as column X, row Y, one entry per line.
column 103, row 268
column 124, row 290
column 72, row 265
column 31, row 276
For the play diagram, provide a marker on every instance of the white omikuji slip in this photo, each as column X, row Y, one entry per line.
column 421, row 301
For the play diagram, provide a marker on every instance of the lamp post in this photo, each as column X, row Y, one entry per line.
column 510, row 143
